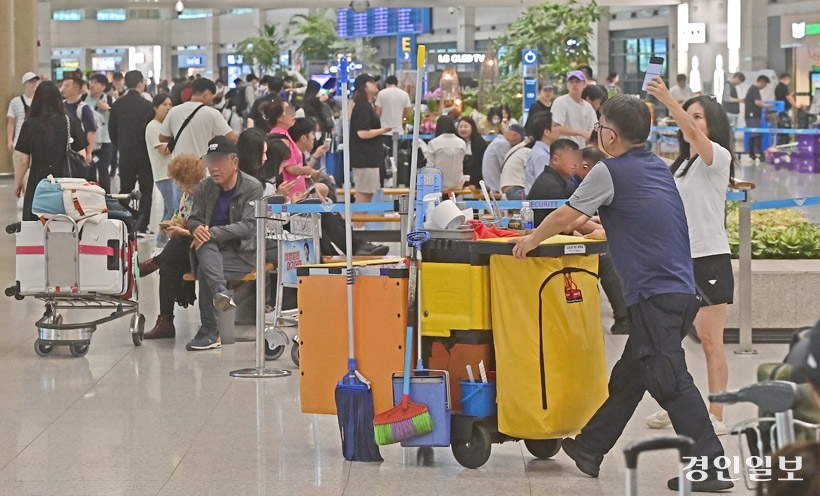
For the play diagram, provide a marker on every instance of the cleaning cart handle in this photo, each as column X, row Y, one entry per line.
column 417, row 238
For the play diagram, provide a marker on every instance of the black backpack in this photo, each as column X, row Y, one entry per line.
column 240, row 101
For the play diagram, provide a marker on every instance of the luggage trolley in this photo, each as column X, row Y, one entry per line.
column 777, row 397
column 304, row 229
column 67, row 282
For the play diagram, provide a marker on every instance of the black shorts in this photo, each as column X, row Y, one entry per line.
column 714, row 279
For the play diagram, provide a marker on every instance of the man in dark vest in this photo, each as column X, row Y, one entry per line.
column 642, row 213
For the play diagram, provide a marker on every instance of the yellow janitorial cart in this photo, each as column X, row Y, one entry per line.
column 545, row 374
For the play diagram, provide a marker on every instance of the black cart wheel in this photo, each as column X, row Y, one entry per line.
column 42, row 349
column 543, row 448
column 79, row 350
column 273, row 353
column 294, row 353
column 475, row 452
column 137, row 329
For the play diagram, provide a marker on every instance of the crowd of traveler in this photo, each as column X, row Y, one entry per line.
column 210, row 150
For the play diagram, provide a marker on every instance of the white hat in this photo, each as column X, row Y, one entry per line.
column 29, row 76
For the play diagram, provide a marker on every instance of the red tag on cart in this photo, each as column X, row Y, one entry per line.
column 571, row 290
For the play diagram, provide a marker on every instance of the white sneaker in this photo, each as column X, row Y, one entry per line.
column 658, row 420
column 718, row 425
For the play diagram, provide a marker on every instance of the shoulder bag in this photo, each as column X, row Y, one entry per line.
column 75, row 166
column 173, row 143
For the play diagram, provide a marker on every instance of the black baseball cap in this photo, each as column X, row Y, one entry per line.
column 220, row 146
column 363, row 79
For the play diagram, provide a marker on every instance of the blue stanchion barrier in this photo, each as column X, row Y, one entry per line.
column 786, row 203
column 296, row 208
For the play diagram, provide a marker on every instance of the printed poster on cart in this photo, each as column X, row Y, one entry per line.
column 294, row 254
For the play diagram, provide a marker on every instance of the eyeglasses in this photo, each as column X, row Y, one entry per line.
column 597, row 128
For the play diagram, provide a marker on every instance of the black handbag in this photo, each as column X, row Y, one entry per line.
column 75, row 166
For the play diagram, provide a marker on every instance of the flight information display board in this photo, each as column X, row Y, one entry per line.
column 382, row 22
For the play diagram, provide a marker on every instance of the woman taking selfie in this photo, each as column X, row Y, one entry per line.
column 702, row 172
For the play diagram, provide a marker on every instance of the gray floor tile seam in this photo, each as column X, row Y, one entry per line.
column 80, row 396
column 199, row 431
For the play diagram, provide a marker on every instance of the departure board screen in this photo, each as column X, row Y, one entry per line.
column 382, row 22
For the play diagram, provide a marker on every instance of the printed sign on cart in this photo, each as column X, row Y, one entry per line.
column 294, row 254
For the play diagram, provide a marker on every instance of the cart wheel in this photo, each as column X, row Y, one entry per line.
column 273, row 353
column 137, row 328
column 79, row 350
column 475, row 452
column 42, row 348
column 294, row 354
column 543, row 448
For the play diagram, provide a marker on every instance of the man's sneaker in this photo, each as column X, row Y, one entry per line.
column 223, row 302
column 718, row 425
column 709, row 485
column 204, row 342
column 620, row 327
column 372, row 250
column 588, row 463
column 147, row 233
column 658, row 420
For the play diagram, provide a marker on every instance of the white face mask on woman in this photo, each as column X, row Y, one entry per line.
column 496, row 120
column 318, row 135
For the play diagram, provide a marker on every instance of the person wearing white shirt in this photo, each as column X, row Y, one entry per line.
column 542, row 130
column 681, row 92
column 18, row 108
column 496, row 153
column 702, row 172
column 392, row 106
column 514, row 172
column 446, row 151
column 575, row 116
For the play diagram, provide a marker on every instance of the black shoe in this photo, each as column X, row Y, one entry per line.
column 619, row 327
column 372, row 250
column 709, row 485
column 588, row 463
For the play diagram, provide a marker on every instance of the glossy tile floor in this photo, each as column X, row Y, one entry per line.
column 160, row 420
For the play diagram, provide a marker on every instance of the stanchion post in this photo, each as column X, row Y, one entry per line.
column 404, row 210
column 396, row 159
column 745, row 274
column 261, row 215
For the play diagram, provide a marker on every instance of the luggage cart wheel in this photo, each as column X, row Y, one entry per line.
column 294, row 354
column 543, row 448
column 137, row 328
column 475, row 452
column 79, row 350
column 273, row 353
column 42, row 349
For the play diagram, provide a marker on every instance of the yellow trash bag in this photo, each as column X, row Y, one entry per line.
column 549, row 345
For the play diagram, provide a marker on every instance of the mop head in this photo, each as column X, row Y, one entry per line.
column 354, row 407
column 402, row 422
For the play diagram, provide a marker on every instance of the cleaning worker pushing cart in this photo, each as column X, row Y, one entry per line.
column 644, row 219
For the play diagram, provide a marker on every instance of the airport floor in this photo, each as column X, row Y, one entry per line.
column 159, row 420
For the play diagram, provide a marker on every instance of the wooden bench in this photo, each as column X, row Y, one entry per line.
column 366, row 217
column 385, row 191
column 250, row 276
column 357, row 258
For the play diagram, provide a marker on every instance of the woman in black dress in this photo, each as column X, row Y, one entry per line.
column 476, row 146
column 43, row 141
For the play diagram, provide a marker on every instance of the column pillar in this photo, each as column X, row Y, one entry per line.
column 599, row 47
column 9, row 81
column 25, row 37
column 465, row 29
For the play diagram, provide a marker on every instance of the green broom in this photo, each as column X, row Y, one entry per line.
column 406, row 420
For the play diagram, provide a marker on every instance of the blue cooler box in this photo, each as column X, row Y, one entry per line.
column 432, row 390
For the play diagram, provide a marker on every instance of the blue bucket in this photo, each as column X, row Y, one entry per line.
column 478, row 399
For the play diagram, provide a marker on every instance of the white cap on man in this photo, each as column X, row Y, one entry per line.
column 29, row 76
